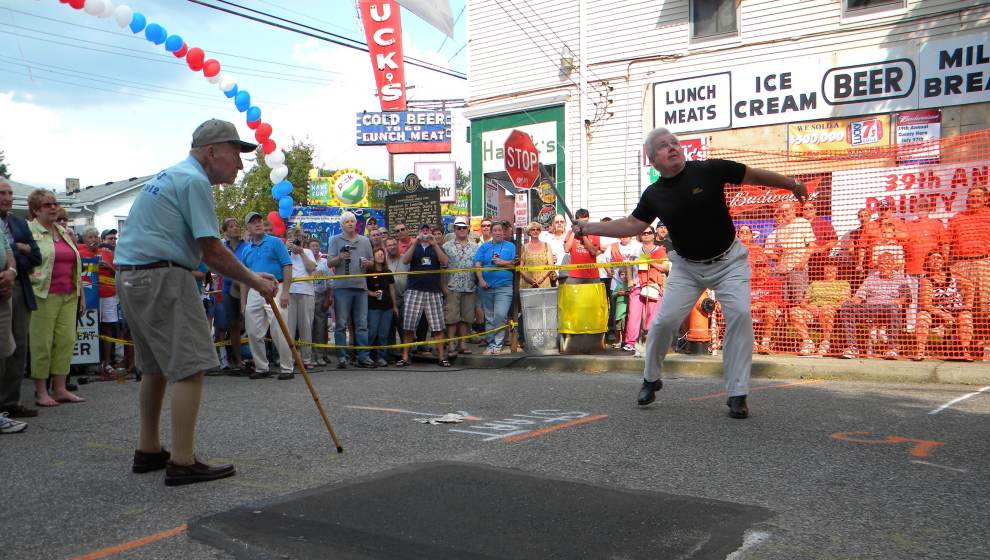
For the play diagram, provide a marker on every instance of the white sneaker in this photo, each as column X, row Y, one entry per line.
column 808, row 348
column 11, row 426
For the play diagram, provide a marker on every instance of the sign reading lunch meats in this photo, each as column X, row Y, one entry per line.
column 693, row 104
column 413, row 209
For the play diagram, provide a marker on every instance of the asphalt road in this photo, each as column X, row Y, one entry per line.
column 846, row 470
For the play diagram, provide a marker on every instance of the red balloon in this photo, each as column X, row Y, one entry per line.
column 253, row 124
column 77, row 4
column 268, row 146
column 263, row 133
column 211, row 68
column 274, row 218
column 182, row 51
column 194, row 58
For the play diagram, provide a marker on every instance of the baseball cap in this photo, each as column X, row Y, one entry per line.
column 250, row 216
column 107, row 232
column 460, row 221
column 216, row 131
column 425, row 226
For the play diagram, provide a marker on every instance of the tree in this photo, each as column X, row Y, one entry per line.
column 462, row 179
column 3, row 167
column 254, row 193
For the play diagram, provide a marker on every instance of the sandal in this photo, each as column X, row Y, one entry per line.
column 444, row 363
column 401, row 363
column 465, row 351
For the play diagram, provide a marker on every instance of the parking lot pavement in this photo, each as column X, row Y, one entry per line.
column 845, row 470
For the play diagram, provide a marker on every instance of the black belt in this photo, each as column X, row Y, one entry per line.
column 149, row 266
column 971, row 257
column 715, row 259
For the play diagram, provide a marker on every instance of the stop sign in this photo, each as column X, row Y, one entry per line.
column 522, row 161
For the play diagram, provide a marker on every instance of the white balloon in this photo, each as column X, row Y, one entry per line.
column 107, row 9
column 227, row 83
column 94, row 7
column 278, row 174
column 214, row 79
column 275, row 159
column 123, row 14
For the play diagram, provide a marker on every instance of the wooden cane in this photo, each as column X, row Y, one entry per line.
column 302, row 368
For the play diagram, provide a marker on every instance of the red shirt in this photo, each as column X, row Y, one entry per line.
column 106, row 270
column 969, row 233
column 403, row 245
column 924, row 234
column 766, row 291
column 580, row 255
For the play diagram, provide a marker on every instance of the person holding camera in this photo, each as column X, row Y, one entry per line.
column 301, row 295
column 350, row 253
column 424, row 292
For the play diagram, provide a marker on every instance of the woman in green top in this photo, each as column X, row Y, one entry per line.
column 824, row 299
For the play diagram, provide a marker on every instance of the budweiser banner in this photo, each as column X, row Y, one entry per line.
column 383, row 30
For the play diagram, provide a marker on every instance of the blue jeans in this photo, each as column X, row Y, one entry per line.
column 351, row 303
column 496, row 303
column 379, row 331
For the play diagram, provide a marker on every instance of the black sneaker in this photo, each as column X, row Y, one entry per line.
column 286, row 375
column 366, row 364
column 737, row 407
column 648, row 393
column 341, row 364
column 20, row 411
column 260, row 375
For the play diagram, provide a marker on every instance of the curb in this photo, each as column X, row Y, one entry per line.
column 766, row 367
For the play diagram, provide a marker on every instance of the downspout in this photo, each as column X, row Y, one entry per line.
column 583, row 88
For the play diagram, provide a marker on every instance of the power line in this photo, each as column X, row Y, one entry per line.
column 310, row 16
column 143, row 85
column 86, row 86
column 241, row 71
column 464, row 7
column 350, row 43
column 550, row 28
column 453, row 56
column 138, row 38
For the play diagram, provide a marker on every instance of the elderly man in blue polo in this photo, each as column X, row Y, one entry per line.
column 171, row 229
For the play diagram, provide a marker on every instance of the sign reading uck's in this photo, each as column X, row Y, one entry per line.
column 932, row 74
column 377, row 129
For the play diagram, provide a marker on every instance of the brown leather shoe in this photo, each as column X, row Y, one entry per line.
column 177, row 475
column 146, row 462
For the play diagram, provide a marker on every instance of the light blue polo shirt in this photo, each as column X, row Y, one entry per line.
column 268, row 255
column 170, row 213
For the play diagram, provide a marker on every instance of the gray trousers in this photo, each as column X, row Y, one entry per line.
column 320, row 327
column 12, row 368
column 300, row 323
column 729, row 278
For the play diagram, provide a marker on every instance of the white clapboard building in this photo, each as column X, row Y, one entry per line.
column 588, row 78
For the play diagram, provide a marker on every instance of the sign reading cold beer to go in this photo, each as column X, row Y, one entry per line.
column 522, row 161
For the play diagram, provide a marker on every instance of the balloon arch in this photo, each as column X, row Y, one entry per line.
column 196, row 59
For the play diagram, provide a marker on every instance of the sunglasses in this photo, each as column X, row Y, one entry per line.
column 460, row 227
column 400, row 229
column 649, row 233
column 486, row 225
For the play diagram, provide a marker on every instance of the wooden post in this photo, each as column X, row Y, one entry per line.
column 514, row 313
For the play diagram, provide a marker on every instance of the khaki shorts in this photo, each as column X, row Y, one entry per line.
column 459, row 307
column 167, row 321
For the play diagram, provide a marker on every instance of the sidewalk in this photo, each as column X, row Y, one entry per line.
column 768, row 367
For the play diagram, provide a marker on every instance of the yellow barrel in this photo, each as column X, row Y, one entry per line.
column 582, row 308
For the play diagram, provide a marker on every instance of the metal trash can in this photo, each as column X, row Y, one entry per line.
column 539, row 320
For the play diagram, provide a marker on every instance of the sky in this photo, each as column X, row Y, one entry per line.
column 70, row 108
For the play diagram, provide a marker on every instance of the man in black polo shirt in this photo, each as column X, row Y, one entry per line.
column 689, row 198
column 423, row 292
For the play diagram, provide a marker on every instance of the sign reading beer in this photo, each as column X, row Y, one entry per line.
column 376, row 129
column 522, row 161
column 383, row 30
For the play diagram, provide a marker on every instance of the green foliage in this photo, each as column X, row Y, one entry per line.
column 462, row 180
column 3, row 167
column 254, row 193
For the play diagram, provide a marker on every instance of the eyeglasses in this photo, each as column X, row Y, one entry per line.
column 460, row 227
column 648, row 233
column 486, row 225
column 400, row 229
column 49, row 205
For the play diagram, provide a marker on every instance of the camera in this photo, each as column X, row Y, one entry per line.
column 296, row 242
column 346, row 248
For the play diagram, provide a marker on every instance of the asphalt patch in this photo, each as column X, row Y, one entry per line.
column 467, row 511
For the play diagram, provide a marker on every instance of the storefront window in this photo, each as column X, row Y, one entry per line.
column 713, row 18
column 859, row 6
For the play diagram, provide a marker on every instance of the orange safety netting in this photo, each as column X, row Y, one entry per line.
column 890, row 257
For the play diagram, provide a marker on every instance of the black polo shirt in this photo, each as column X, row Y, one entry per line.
column 692, row 206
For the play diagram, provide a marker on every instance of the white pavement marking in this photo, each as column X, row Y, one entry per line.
column 750, row 539
column 960, row 399
column 916, row 462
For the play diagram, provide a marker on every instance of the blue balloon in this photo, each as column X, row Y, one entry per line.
column 285, row 207
column 232, row 92
column 155, row 33
column 137, row 22
column 282, row 189
column 242, row 101
column 253, row 114
column 173, row 43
